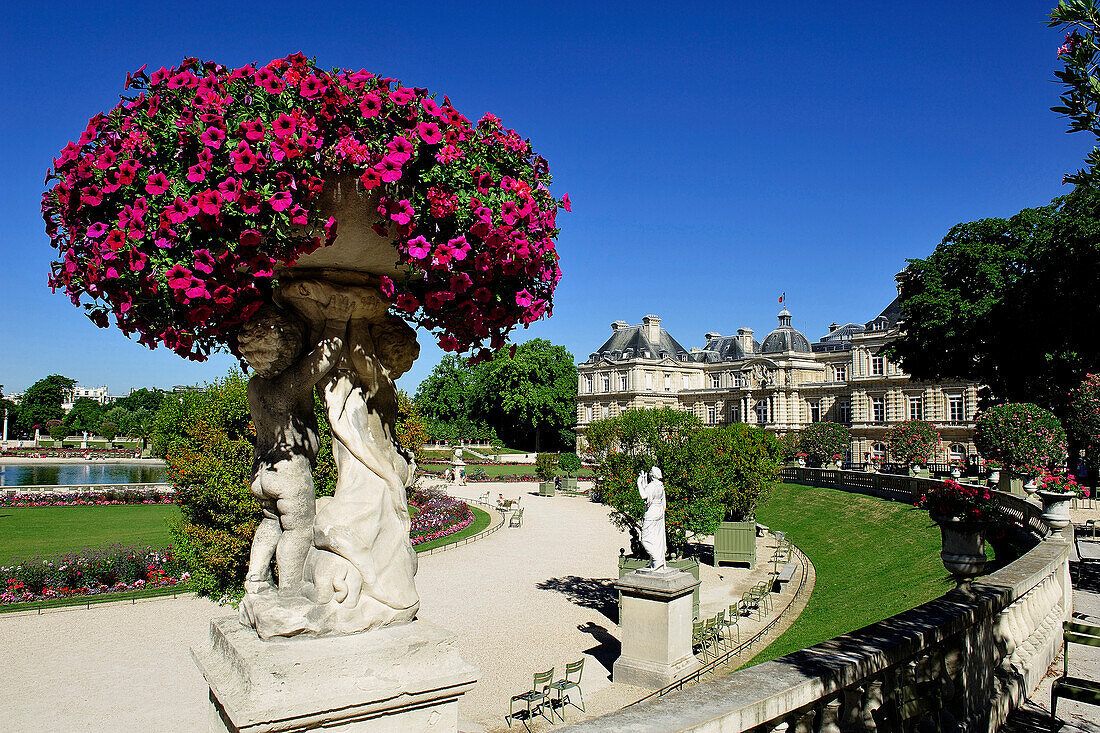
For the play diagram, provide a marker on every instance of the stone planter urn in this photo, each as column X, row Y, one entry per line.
column 801, row 462
column 915, row 469
column 956, row 472
column 963, row 552
column 839, row 465
column 994, row 476
column 1056, row 509
column 1031, row 486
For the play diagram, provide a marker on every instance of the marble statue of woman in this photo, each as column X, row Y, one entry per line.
column 652, row 490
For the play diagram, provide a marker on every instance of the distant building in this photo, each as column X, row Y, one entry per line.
column 782, row 384
column 98, row 394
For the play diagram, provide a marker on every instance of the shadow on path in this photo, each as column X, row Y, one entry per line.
column 596, row 593
column 607, row 649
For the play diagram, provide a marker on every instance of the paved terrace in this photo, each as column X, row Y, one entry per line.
column 521, row 600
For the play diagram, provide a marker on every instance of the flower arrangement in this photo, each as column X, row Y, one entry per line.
column 175, row 211
column 1026, row 438
column 958, row 501
column 90, row 573
column 801, row 456
column 994, row 465
column 439, row 515
column 1062, row 484
column 958, row 463
column 824, row 439
column 912, row 442
column 837, row 456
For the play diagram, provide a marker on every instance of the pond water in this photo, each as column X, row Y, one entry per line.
column 71, row 474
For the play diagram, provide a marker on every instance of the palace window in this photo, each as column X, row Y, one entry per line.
column 649, row 381
column 606, row 380
column 588, row 383
column 878, row 366
column 840, row 373
column 956, row 411
column 957, row 452
column 668, row 383
column 588, row 413
column 712, row 414
column 622, row 382
column 735, row 414
column 761, row 409
column 878, row 450
column 715, row 381
column 916, row 407
column 843, row 412
column 878, row 408
column 815, row 410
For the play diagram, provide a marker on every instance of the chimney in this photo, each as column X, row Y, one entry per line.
column 744, row 337
column 709, row 335
column 833, row 326
column 617, row 326
column 653, row 330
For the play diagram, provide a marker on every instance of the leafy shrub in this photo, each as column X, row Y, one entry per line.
column 476, row 473
column 569, row 463
column 546, row 466
column 913, row 441
column 108, row 430
column 1084, row 418
column 790, row 443
column 820, row 441
column 1025, row 437
column 58, row 432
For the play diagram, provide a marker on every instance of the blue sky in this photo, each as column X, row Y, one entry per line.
column 717, row 154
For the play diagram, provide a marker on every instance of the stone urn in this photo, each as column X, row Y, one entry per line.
column 1056, row 509
column 1031, row 486
column 801, row 462
column 915, row 469
column 994, row 476
column 956, row 472
column 963, row 552
column 839, row 465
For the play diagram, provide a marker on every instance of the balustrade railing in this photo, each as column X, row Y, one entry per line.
column 962, row 662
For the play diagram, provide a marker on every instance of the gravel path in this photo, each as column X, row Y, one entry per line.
column 521, row 600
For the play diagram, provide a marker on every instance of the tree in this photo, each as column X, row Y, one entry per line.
column 1081, row 53
column 912, row 442
column 16, row 427
column 1000, row 302
column 1024, row 437
column 142, row 399
column 86, row 414
column 42, row 400
column 57, row 430
column 108, row 430
column 823, row 440
column 530, row 398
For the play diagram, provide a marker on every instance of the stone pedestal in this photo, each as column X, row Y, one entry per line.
column 401, row 677
column 656, row 627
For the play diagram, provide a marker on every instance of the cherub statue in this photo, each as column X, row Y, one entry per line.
column 280, row 396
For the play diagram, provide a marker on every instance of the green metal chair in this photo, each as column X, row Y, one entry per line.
column 568, row 683
column 534, row 700
column 1075, row 688
column 720, row 632
column 700, row 639
column 734, row 617
column 751, row 601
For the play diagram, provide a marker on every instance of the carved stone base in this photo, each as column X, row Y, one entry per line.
column 656, row 625
column 402, row 677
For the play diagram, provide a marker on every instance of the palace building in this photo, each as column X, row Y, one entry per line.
column 783, row 383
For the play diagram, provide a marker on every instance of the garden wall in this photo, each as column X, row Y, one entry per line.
column 960, row 662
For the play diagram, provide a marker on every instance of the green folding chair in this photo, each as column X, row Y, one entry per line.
column 534, row 700
column 568, row 683
column 1075, row 688
column 734, row 617
column 700, row 639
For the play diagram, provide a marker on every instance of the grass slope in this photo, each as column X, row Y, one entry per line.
column 874, row 558
column 51, row 530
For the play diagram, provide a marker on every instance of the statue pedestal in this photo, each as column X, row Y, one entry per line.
column 656, row 626
column 401, row 677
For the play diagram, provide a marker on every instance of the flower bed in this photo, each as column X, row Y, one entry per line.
column 89, row 498
column 90, row 573
column 68, row 453
column 439, row 516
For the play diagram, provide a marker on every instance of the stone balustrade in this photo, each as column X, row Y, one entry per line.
column 961, row 662
column 161, row 488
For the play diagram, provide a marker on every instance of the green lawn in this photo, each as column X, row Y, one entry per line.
column 52, row 530
column 508, row 469
column 874, row 558
column 481, row 522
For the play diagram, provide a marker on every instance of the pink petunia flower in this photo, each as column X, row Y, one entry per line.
column 419, row 248
column 281, row 201
column 284, row 126
column 524, row 298
column 402, row 211
column 370, row 105
column 429, row 132
column 179, row 277
column 402, row 95
column 212, row 137
column 156, row 184
column 390, row 169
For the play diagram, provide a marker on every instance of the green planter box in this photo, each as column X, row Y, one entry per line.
column 569, row 484
column 735, row 542
column 687, row 564
column 1012, row 483
column 546, row 488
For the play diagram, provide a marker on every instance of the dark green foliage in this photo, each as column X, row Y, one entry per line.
column 86, row 414
column 528, row 399
column 710, row 474
column 1001, row 302
column 823, row 440
column 569, row 463
column 42, row 400
column 141, row 399
column 58, row 432
column 545, row 465
column 108, row 430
